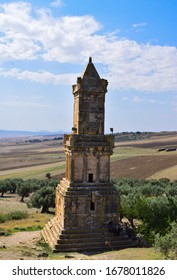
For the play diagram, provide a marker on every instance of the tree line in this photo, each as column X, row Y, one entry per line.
column 41, row 192
column 37, row 140
column 150, row 206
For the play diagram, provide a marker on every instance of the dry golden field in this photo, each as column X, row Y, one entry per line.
column 137, row 159
column 31, row 160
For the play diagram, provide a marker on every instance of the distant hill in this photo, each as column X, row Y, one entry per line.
column 119, row 136
column 138, row 135
column 16, row 133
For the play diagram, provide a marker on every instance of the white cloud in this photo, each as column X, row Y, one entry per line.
column 43, row 77
column 24, row 36
column 28, row 34
column 139, row 25
column 144, row 67
column 57, row 3
column 138, row 99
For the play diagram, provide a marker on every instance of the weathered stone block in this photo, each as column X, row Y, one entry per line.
column 86, row 201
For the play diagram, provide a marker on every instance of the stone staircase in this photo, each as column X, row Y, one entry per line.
column 84, row 239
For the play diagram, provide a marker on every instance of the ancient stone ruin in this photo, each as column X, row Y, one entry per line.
column 87, row 203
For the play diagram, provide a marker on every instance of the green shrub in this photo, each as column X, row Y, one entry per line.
column 16, row 215
column 30, row 228
column 3, row 218
column 167, row 244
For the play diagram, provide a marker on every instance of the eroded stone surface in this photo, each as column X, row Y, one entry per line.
column 86, row 200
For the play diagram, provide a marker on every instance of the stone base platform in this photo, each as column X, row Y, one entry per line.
column 69, row 240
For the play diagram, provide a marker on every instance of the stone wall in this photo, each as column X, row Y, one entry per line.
column 86, row 206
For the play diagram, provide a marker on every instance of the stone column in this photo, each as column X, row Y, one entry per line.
column 72, row 168
column 109, row 172
column 68, row 167
column 67, row 162
column 97, row 167
column 84, row 167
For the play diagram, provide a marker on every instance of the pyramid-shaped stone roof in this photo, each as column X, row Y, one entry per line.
column 90, row 71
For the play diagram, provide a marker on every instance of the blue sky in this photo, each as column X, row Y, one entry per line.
column 45, row 46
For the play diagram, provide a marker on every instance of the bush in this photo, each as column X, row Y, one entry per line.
column 3, row 218
column 16, row 215
column 30, row 228
column 167, row 244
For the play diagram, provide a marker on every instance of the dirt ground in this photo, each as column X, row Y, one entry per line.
column 21, row 245
column 25, row 246
column 141, row 166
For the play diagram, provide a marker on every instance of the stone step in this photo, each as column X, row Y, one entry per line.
column 88, row 232
column 91, row 241
column 89, row 236
column 84, row 230
column 95, row 246
column 80, row 245
column 79, row 240
column 83, row 239
column 80, row 235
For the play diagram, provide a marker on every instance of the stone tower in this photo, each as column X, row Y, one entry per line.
column 86, row 200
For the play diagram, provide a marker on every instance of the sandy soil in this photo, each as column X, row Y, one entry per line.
column 21, row 245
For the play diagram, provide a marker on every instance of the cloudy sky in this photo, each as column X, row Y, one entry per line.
column 45, row 46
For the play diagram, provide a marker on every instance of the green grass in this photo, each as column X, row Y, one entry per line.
column 12, row 209
column 28, row 228
column 58, row 167
column 131, row 254
column 35, row 221
column 33, row 172
column 125, row 254
column 45, row 247
column 16, row 215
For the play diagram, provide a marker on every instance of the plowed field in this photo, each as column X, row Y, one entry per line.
column 141, row 166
